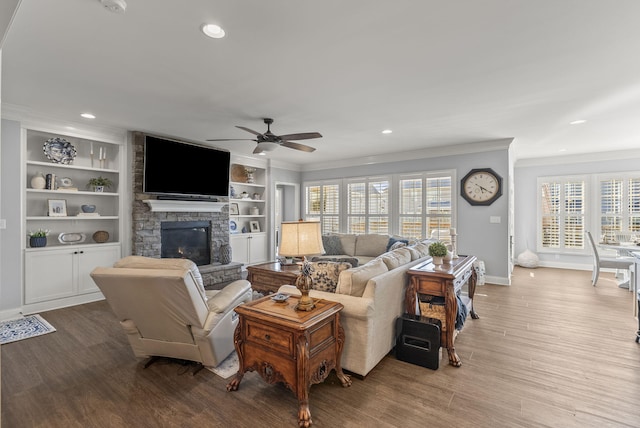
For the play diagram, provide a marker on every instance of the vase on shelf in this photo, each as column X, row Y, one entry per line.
column 38, row 181
column 225, row 254
column 37, row 241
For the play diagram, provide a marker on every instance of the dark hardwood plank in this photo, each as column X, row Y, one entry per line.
column 549, row 351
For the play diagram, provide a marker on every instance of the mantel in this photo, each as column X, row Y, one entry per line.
column 163, row 205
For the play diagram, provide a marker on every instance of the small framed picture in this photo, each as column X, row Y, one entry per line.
column 255, row 226
column 233, row 209
column 57, row 207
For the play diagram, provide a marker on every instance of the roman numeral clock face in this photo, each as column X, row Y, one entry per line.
column 481, row 186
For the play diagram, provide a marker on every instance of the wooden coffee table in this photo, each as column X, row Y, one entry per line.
column 268, row 277
column 295, row 348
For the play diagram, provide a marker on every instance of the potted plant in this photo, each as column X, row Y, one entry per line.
column 99, row 184
column 38, row 238
column 437, row 251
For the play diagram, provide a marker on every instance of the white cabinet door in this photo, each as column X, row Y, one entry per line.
column 258, row 248
column 240, row 248
column 90, row 258
column 48, row 275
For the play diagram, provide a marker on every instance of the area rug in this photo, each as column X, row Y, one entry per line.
column 228, row 367
column 24, row 328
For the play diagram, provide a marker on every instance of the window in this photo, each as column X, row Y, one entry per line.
column 619, row 204
column 420, row 204
column 368, row 206
column 425, row 206
column 322, row 203
column 563, row 217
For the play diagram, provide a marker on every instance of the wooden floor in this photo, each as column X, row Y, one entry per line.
column 549, row 351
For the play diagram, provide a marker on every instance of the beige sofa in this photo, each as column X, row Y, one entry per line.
column 365, row 247
column 373, row 298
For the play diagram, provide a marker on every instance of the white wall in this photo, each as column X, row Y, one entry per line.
column 489, row 242
column 526, row 176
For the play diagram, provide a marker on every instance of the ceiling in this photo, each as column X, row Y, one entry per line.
column 436, row 72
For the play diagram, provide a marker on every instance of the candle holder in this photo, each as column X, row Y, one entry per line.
column 454, row 249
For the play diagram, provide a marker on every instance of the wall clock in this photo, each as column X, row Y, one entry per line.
column 481, row 186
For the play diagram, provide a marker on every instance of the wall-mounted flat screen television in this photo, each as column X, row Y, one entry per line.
column 179, row 169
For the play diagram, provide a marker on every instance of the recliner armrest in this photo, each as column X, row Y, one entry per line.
column 226, row 297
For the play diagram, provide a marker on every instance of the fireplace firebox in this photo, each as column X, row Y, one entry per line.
column 186, row 240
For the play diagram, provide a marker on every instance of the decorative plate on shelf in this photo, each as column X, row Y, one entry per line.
column 59, row 150
column 238, row 174
column 71, row 238
column 233, row 227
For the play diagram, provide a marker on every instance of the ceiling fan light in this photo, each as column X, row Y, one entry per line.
column 267, row 147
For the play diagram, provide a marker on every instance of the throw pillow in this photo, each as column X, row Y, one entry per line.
column 324, row 275
column 394, row 241
column 332, row 244
column 351, row 260
column 415, row 254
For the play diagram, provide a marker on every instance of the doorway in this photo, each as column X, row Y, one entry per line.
column 286, row 207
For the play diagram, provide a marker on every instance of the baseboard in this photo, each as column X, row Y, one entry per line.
column 497, row 280
column 9, row 314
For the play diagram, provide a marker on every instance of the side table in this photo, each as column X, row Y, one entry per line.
column 295, row 348
column 268, row 277
column 445, row 280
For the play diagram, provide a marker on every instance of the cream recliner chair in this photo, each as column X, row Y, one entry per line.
column 166, row 311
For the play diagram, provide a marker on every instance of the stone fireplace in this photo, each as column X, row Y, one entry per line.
column 147, row 225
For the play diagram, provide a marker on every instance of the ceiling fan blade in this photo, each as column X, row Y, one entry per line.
column 257, row 150
column 249, row 130
column 300, row 136
column 232, row 139
column 297, row 146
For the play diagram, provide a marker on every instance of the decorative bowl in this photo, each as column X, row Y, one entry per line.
column 280, row 297
column 88, row 208
column 101, row 236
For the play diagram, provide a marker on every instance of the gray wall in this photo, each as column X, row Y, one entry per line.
column 10, row 200
column 489, row 242
column 526, row 176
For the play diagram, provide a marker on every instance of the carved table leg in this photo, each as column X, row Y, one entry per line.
column 454, row 360
column 304, row 415
column 237, row 342
column 472, row 292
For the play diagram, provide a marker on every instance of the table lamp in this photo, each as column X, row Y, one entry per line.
column 301, row 239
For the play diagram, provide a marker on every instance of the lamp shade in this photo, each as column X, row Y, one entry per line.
column 300, row 238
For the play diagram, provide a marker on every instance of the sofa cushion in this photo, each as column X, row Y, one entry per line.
column 371, row 245
column 390, row 260
column 141, row 262
column 324, row 275
column 353, row 281
column 348, row 242
column 332, row 244
column 422, row 248
column 403, row 255
column 415, row 254
column 351, row 260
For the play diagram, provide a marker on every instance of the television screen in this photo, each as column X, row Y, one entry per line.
column 183, row 169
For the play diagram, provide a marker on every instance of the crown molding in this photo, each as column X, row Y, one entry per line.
column 431, row 152
column 578, row 158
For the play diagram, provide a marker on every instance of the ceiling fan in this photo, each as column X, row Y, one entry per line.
column 269, row 141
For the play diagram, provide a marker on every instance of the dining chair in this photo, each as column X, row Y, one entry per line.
column 623, row 263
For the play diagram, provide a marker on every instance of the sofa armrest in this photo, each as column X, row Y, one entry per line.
column 354, row 307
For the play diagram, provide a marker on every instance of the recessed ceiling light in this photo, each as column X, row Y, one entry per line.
column 212, row 30
column 562, row 150
column 387, row 131
column 577, row 122
column 88, row 116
